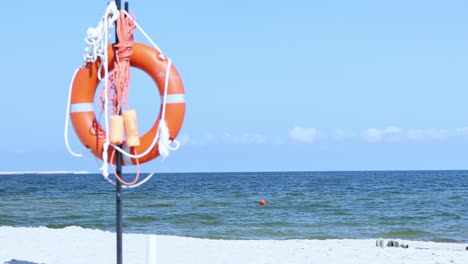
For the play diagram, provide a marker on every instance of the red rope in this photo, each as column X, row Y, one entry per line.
column 137, row 176
column 125, row 28
column 119, row 80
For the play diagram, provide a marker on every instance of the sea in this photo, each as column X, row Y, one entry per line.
column 413, row 205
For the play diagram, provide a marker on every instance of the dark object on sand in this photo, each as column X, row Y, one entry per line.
column 15, row 261
column 391, row 243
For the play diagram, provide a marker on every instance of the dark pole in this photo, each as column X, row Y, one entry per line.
column 118, row 165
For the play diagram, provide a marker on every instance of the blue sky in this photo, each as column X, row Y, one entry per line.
column 270, row 85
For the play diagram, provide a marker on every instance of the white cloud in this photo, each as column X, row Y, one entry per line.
column 244, row 138
column 462, row 131
column 304, row 134
column 429, row 134
column 438, row 133
column 393, row 133
column 415, row 134
column 230, row 138
column 373, row 135
column 310, row 135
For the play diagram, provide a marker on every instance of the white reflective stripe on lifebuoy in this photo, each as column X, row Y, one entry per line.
column 126, row 159
column 174, row 98
column 82, row 107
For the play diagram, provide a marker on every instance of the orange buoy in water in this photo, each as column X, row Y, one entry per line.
column 262, row 202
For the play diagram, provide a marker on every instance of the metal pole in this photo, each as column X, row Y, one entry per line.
column 118, row 197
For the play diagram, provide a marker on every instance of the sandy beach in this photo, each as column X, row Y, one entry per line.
column 77, row 245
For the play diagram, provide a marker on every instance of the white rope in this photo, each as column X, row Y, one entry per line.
column 97, row 40
column 164, row 142
column 97, row 37
column 67, row 120
column 162, row 135
column 134, row 185
column 111, row 16
column 105, row 166
column 143, row 32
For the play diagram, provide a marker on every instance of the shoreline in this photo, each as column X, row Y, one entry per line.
column 78, row 245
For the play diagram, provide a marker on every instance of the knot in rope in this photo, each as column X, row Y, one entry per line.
column 96, row 37
column 164, row 141
column 123, row 52
column 125, row 30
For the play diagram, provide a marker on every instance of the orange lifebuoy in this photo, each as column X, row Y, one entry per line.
column 84, row 87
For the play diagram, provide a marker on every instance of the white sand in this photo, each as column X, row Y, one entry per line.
column 77, row 245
